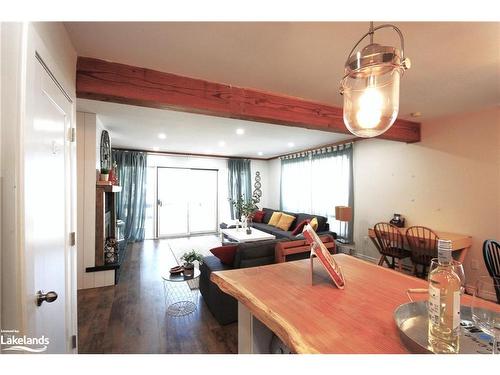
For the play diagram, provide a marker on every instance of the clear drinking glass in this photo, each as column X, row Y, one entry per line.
column 487, row 289
column 459, row 270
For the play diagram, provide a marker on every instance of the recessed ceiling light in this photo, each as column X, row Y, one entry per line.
column 222, row 143
column 260, row 153
column 291, row 144
column 162, row 136
column 156, row 148
column 240, row 131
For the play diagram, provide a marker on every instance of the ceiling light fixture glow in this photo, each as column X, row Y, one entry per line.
column 370, row 85
column 260, row 153
column 162, row 136
column 240, row 131
column 291, row 144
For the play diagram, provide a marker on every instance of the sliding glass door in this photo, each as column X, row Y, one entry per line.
column 187, row 201
column 203, row 201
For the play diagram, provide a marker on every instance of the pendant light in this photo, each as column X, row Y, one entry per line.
column 370, row 85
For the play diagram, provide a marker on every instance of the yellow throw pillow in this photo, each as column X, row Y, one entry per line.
column 314, row 224
column 275, row 218
column 285, row 222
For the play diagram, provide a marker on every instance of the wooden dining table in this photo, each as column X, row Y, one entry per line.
column 460, row 243
column 310, row 315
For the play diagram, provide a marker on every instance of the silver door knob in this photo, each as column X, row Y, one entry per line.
column 45, row 297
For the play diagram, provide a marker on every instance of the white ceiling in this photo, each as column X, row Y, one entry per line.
column 455, row 65
column 138, row 128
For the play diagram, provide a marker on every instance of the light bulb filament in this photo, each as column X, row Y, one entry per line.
column 370, row 108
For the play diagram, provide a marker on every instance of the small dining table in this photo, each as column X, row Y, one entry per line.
column 460, row 243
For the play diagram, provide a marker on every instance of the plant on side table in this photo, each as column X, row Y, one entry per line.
column 189, row 258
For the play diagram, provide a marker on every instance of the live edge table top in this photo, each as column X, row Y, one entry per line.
column 320, row 318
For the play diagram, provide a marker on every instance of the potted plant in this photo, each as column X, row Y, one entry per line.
column 245, row 209
column 188, row 259
column 104, row 174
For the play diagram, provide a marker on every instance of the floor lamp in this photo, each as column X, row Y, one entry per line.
column 343, row 213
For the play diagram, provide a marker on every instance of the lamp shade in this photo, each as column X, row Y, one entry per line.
column 370, row 85
column 371, row 103
column 343, row 213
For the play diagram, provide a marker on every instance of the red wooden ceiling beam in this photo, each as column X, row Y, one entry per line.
column 107, row 81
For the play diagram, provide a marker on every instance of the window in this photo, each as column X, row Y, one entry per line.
column 316, row 182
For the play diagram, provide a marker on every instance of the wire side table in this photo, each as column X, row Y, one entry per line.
column 181, row 293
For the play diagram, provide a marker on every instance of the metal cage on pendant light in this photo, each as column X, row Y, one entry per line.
column 370, row 85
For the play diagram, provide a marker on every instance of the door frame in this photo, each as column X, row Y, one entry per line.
column 32, row 49
column 189, row 233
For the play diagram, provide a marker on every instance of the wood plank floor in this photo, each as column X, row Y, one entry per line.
column 131, row 317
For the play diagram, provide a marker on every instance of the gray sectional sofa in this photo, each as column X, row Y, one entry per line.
column 249, row 254
column 323, row 226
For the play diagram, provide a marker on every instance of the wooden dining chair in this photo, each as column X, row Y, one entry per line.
column 423, row 244
column 491, row 255
column 391, row 244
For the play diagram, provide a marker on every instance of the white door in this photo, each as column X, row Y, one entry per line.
column 47, row 208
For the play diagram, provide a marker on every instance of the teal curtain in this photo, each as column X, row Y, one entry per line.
column 239, row 182
column 131, row 201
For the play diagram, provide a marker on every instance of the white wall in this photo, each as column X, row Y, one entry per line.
column 450, row 181
column 88, row 136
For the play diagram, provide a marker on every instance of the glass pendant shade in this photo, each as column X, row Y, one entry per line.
column 370, row 86
column 371, row 103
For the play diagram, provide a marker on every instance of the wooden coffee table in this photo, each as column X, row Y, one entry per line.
column 240, row 235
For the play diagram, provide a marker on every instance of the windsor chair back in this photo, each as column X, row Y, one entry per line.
column 423, row 244
column 391, row 244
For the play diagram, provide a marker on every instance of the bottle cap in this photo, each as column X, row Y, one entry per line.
column 444, row 251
